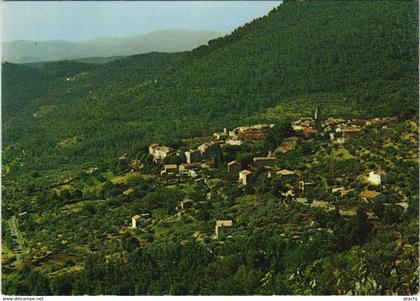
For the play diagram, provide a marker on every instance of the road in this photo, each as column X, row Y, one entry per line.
column 18, row 246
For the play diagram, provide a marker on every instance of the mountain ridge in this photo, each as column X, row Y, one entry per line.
column 28, row 51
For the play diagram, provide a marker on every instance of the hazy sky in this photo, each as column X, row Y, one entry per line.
column 85, row 20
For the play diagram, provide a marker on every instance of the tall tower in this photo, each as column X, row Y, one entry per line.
column 317, row 118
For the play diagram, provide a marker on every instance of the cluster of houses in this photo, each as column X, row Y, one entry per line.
column 202, row 156
column 221, row 226
column 375, row 178
column 287, row 145
column 304, row 128
column 233, row 167
column 339, row 129
column 190, row 161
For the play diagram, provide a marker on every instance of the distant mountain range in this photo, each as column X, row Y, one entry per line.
column 24, row 51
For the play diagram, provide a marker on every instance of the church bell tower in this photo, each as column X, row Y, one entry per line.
column 317, row 119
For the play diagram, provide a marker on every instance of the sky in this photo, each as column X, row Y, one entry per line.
column 73, row 21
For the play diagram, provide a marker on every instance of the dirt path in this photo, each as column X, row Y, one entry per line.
column 18, row 245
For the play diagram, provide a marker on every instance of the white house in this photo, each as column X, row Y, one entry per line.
column 169, row 168
column 221, row 135
column 303, row 184
column 134, row 221
column 222, row 225
column 208, row 149
column 193, row 156
column 234, row 142
column 245, row 177
column 377, row 178
column 159, row 152
column 138, row 220
column 264, row 161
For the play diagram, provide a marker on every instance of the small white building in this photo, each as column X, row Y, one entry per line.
column 245, row 177
column 221, row 135
column 342, row 190
column 138, row 220
column 208, row 149
column 303, row 184
column 350, row 131
column 160, row 152
column 221, row 226
column 192, row 173
column 377, row 178
column 340, row 140
column 169, row 169
column 183, row 167
column 134, row 221
column 285, row 173
column 193, row 156
column 128, row 191
column 264, row 161
column 288, row 193
column 234, row 142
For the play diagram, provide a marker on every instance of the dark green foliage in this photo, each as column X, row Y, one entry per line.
column 27, row 282
column 167, row 199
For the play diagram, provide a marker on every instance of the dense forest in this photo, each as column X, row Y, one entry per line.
column 75, row 133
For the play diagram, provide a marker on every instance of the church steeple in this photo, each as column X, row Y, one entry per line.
column 317, row 118
column 316, row 115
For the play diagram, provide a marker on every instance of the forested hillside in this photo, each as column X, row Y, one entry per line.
column 45, row 106
column 362, row 54
column 76, row 166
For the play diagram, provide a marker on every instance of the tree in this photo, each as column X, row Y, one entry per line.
column 62, row 285
column 360, row 227
column 27, row 282
column 392, row 214
column 129, row 243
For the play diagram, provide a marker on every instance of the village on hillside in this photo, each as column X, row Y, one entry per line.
column 183, row 165
column 286, row 178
